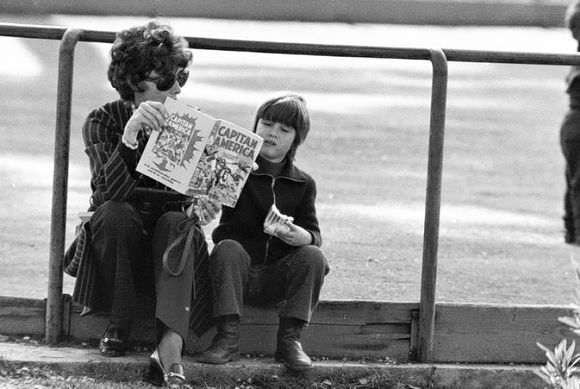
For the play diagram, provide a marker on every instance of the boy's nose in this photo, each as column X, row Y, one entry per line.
column 276, row 130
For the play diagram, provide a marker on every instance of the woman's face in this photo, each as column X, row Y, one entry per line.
column 278, row 139
column 152, row 93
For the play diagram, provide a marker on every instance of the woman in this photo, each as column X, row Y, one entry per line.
column 120, row 251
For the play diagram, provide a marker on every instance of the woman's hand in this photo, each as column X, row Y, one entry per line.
column 205, row 209
column 293, row 235
column 149, row 114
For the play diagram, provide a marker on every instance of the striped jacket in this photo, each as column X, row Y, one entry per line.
column 113, row 177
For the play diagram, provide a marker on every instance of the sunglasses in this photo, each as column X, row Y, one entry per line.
column 163, row 84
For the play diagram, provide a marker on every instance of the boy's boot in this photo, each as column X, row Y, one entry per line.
column 225, row 344
column 289, row 350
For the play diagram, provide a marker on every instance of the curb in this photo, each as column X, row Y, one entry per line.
column 89, row 361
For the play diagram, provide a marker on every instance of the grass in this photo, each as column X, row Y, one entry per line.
column 501, row 231
column 130, row 374
column 17, row 376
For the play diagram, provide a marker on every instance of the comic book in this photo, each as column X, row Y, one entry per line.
column 198, row 155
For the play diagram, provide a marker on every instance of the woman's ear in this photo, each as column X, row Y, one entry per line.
column 141, row 86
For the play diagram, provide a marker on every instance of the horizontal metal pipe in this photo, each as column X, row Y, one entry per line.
column 31, row 31
column 512, row 57
column 46, row 32
column 53, row 32
column 310, row 49
column 453, row 55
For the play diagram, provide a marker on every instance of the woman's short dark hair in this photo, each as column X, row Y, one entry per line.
column 290, row 110
column 138, row 51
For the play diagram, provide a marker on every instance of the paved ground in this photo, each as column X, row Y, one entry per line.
column 495, row 218
column 415, row 375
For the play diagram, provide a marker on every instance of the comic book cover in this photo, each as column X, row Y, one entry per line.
column 172, row 153
column 198, row 155
column 226, row 163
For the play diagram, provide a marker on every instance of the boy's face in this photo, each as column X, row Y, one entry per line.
column 278, row 139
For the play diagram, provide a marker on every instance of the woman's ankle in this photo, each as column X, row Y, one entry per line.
column 170, row 348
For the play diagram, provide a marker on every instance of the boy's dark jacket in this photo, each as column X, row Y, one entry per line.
column 293, row 192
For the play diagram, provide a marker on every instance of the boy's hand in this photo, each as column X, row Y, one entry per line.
column 293, row 235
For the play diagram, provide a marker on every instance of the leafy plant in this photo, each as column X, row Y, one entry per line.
column 561, row 370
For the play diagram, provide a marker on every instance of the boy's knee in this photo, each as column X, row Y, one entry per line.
column 227, row 253
column 227, row 247
column 313, row 258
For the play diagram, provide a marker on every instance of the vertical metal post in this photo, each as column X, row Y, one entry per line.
column 53, row 324
column 432, row 207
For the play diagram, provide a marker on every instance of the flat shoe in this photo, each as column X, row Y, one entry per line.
column 174, row 378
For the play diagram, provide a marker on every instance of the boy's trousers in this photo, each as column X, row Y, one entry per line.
column 295, row 281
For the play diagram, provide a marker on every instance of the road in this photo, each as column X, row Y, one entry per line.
column 502, row 178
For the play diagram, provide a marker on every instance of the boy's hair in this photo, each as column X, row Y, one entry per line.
column 139, row 50
column 290, row 110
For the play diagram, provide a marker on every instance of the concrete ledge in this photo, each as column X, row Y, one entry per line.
column 87, row 361
column 545, row 13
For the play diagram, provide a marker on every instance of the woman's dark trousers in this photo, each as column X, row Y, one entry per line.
column 129, row 252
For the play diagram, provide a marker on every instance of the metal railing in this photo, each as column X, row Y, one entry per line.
column 438, row 58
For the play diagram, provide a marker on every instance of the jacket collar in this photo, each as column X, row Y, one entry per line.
column 289, row 171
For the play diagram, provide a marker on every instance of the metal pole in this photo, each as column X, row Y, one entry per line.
column 53, row 327
column 426, row 331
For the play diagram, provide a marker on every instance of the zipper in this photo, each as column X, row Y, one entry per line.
column 270, row 236
column 274, row 199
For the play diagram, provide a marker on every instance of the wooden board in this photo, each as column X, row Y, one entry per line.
column 496, row 334
column 339, row 329
column 347, row 312
column 465, row 333
column 22, row 316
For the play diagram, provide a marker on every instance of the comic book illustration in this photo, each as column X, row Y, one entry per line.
column 225, row 163
column 200, row 156
column 171, row 153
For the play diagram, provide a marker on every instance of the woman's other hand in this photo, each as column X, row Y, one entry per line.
column 149, row 115
column 205, row 209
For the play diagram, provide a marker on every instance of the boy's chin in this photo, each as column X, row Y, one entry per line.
column 272, row 158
